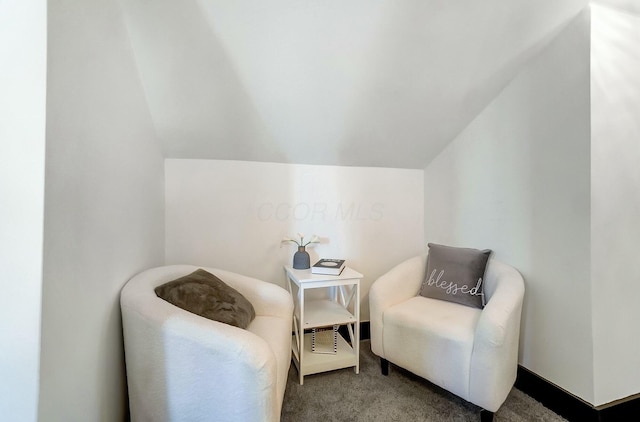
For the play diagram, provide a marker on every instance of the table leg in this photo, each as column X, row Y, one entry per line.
column 301, row 345
column 357, row 324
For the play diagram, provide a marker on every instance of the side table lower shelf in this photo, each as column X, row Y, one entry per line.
column 321, row 362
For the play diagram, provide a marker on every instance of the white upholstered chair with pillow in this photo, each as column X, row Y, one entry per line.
column 468, row 351
column 184, row 367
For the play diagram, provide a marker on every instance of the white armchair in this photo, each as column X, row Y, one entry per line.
column 183, row 367
column 470, row 352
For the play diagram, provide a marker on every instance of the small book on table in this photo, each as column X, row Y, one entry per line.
column 328, row 267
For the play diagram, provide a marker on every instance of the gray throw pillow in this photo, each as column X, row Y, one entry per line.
column 204, row 294
column 456, row 275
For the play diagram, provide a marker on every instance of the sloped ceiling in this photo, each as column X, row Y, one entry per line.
column 343, row 82
column 628, row 6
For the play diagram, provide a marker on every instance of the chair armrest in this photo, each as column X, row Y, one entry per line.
column 397, row 285
column 494, row 359
column 267, row 299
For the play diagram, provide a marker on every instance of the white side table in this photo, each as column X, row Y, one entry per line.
column 344, row 294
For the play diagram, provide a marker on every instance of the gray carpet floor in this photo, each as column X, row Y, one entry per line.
column 401, row 396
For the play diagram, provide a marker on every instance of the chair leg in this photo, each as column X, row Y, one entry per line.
column 384, row 366
column 486, row 416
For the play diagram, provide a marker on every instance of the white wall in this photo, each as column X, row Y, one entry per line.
column 103, row 209
column 23, row 47
column 615, row 200
column 232, row 215
column 516, row 180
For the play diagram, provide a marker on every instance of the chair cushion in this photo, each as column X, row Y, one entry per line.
column 433, row 339
column 204, row 294
column 455, row 275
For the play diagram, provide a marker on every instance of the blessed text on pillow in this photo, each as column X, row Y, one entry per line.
column 455, row 275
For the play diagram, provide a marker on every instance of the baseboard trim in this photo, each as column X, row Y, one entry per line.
column 365, row 331
column 624, row 409
column 574, row 408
